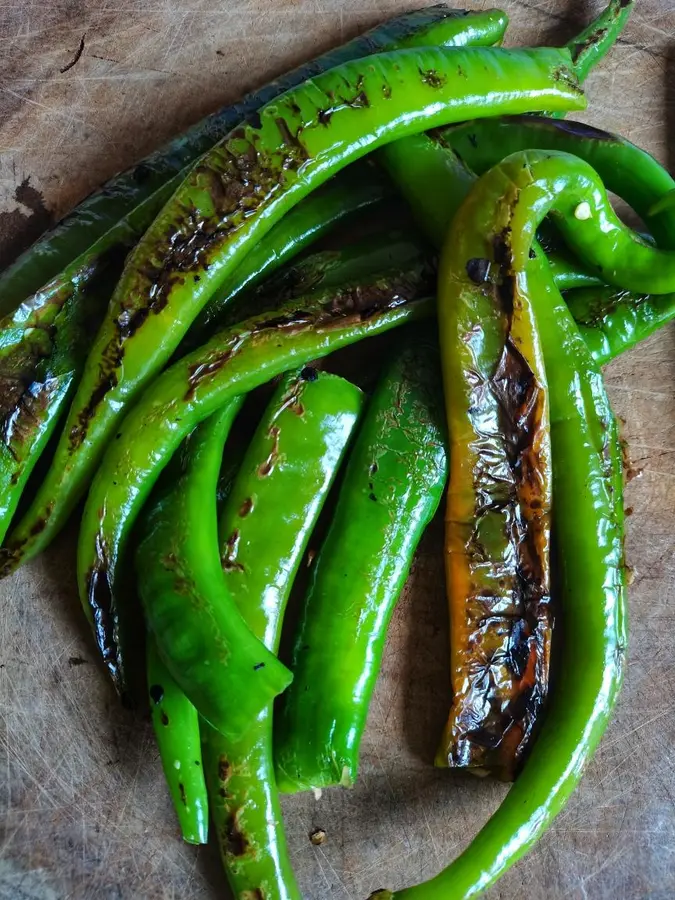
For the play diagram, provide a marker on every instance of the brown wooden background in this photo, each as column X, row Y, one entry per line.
column 83, row 810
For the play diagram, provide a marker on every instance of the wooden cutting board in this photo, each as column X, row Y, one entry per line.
column 86, row 88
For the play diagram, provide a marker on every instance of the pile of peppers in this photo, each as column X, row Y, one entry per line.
column 166, row 354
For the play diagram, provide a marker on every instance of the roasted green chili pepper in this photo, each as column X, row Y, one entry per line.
column 588, row 536
column 351, row 191
column 289, row 467
column 611, row 320
column 498, row 509
column 211, row 652
column 625, row 169
column 43, row 346
column 234, row 196
column 393, row 485
column 379, row 252
column 232, row 363
column 152, row 181
column 176, row 726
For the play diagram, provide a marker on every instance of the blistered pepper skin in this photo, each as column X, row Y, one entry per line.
column 393, row 484
column 231, row 364
column 237, row 192
column 142, row 190
column 587, row 482
column 290, row 465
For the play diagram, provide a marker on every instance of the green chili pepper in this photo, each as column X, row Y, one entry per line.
column 594, row 43
column 611, row 320
column 625, row 169
column 375, row 253
column 568, row 273
column 289, row 467
column 391, row 490
column 153, row 180
column 43, row 346
column 233, row 197
column 176, row 726
column 202, row 638
column 231, row 364
column 351, row 191
column 498, row 509
column 588, row 535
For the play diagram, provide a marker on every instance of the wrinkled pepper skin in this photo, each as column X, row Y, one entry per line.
column 587, row 484
column 289, row 466
column 231, row 364
column 354, row 190
column 393, row 484
column 498, row 510
column 624, row 169
column 43, row 346
column 201, row 637
column 176, row 725
column 612, row 321
column 235, row 195
column 149, row 183
column 434, row 181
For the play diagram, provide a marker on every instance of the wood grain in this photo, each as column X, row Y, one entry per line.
column 83, row 810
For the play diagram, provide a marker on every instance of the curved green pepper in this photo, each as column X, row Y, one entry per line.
column 625, row 169
column 43, row 346
column 202, row 638
column 289, row 468
column 231, row 364
column 149, row 183
column 391, row 490
column 234, row 196
column 588, row 536
column 611, row 320
column 176, row 726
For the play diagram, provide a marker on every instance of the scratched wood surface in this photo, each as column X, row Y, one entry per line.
column 83, row 810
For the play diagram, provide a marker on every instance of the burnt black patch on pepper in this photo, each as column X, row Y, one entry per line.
column 324, row 116
column 235, row 842
column 229, row 555
column 224, row 769
column 253, row 119
column 246, row 508
column 258, row 666
column 433, row 78
column 478, row 270
column 156, row 693
column 183, row 797
column 309, row 373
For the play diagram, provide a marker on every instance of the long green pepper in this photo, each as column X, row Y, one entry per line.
column 141, row 190
column 392, row 487
column 586, row 481
column 235, row 195
column 215, row 658
column 290, row 465
column 230, row 365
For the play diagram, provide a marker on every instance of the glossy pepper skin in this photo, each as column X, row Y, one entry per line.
column 148, row 184
column 393, row 484
column 43, row 346
column 176, row 725
column 230, row 365
column 623, row 167
column 202, row 638
column 498, row 509
column 612, row 321
column 354, row 190
column 289, row 467
column 587, row 482
column 237, row 192
column 434, row 180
